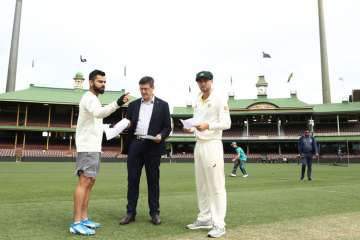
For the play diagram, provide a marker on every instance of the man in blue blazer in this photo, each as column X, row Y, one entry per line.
column 307, row 148
column 150, row 125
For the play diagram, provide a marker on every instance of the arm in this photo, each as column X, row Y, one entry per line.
column 129, row 112
column 165, row 132
column 236, row 157
column 224, row 118
column 300, row 146
column 94, row 107
column 315, row 146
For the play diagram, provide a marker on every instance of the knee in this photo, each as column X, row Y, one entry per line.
column 133, row 178
column 85, row 181
column 218, row 192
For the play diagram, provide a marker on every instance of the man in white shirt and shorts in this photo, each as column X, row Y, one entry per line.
column 89, row 133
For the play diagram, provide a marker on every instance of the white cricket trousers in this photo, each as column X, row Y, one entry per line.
column 210, row 181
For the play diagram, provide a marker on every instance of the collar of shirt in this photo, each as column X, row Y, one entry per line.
column 148, row 102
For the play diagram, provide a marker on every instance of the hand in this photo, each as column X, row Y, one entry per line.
column 202, row 127
column 129, row 125
column 158, row 138
column 317, row 155
column 123, row 99
column 233, row 159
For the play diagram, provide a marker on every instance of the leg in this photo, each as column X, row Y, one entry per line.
column 215, row 182
column 135, row 163
column 309, row 165
column 84, row 208
column 152, row 168
column 87, row 167
column 303, row 166
column 80, row 196
column 242, row 167
column 201, row 189
column 236, row 165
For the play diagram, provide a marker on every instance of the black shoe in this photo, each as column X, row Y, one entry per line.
column 310, row 179
column 155, row 219
column 127, row 219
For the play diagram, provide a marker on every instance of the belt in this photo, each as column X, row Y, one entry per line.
column 139, row 138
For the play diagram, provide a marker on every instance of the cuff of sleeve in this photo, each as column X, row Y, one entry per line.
column 115, row 105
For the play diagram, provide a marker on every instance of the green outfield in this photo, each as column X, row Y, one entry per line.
column 36, row 203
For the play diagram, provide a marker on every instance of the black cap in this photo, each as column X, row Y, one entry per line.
column 204, row 74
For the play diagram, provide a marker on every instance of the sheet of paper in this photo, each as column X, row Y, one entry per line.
column 117, row 129
column 189, row 123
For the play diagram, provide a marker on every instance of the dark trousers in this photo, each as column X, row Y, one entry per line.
column 306, row 160
column 140, row 154
column 241, row 165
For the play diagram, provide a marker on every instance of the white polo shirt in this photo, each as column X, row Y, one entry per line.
column 89, row 129
column 215, row 111
column 145, row 112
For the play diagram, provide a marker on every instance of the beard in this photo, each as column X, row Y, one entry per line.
column 99, row 90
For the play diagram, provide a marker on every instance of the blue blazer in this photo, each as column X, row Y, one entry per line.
column 301, row 145
column 159, row 123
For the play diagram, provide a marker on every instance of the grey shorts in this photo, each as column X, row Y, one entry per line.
column 88, row 163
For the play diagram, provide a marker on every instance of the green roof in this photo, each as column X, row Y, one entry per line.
column 79, row 75
column 337, row 138
column 183, row 111
column 337, row 107
column 241, row 106
column 264, row 105
column 261, row 81
column 293, row 102
column 35, row 94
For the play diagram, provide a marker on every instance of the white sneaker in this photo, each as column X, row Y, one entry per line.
column 232, row 175
column 246, row 175
column 216, row 232
column 200, row 225
column 78, row 228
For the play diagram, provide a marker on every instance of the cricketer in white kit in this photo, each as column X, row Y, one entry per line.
column 212, row 112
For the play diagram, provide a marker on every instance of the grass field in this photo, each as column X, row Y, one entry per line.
column 36, row 203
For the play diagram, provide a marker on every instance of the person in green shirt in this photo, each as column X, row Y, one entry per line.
column 239, row 160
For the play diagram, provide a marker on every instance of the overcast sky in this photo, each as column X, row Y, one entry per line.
column 173, row 40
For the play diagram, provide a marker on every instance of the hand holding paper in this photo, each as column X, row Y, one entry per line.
column 202, row 126
column 116, row 129
column 189, row 123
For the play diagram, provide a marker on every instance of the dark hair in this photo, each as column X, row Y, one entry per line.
column 94, row 73
column 147, row 80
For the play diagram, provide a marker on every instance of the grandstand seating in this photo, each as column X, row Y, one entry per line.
column 294, row 129
column 60, row 124
column 350, row 128
column 6, row 152
column 263, row 130
column 58, row 147
column 325, row 128
column 233, row 133
column 7, row 120
column 37, row 121
column 331, row 129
